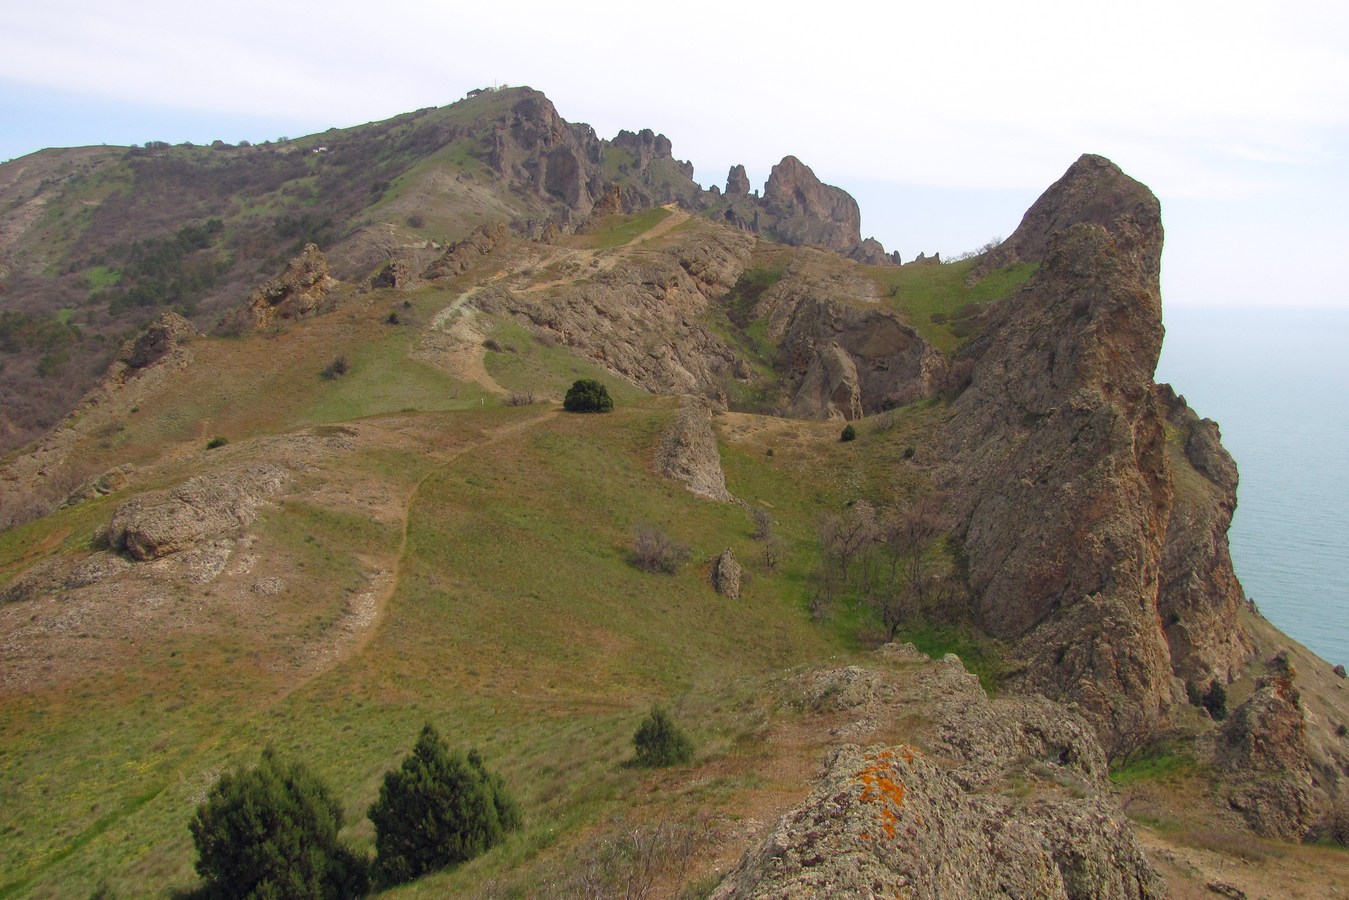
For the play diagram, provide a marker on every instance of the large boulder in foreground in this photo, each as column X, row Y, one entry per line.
column 960, row 820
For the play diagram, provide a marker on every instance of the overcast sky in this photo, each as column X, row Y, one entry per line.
column 944, row 120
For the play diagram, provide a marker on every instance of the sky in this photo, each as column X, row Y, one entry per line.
column 945, row 121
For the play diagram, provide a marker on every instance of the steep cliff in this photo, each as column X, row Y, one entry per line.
column 1058, row 459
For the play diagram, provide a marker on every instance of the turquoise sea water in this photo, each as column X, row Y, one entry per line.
column 1277, row 382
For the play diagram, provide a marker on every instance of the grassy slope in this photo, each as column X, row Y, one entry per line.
column 516, row 625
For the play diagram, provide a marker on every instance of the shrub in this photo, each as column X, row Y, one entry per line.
column 659, row 742
column 1215, row 700
column 217, row 441
column 655, row 551
column 587, row 395
column 521, row 398
column 849, row 433
column 271, row 831
column 336, row 369
column 437, row 809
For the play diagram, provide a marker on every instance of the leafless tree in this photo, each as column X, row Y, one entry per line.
column 655, row 551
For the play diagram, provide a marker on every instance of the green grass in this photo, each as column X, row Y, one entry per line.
column 922, row 292
column 383, row 377
column 1165, row 762
column 525, row 364
column 620, row 230
column 981, row 655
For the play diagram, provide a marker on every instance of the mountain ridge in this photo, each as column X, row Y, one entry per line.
column 1084, row 560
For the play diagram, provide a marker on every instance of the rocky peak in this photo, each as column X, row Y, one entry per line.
column 1061, row 468
column 793, row 189
column 1094, row 191
column 737, row 182
column 646, row 144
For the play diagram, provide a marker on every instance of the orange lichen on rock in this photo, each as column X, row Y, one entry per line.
column 878, row 785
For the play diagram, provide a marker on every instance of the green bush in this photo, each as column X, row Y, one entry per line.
column 849, row 433
column 659, row 742
column 217, row 441
column 271, row 831
column 1215, row 700
column 437, row 809
column 587, row 395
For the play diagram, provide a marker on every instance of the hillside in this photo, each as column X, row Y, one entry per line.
column 340, row 499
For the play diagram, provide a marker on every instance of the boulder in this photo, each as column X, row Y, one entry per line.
column 726, row 575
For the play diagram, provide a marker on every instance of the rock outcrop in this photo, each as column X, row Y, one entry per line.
column 459, row 257
column 899, row 821
column 1059, row 466
column 688, row 452
column 737, row 182
column 1265, row 761
column 158, row 340
column 1200, row 596
column 841, row 359
column 807, row 211
column 204, row 508
column 1092, row 192
column 641, row 318
column 298, row 292
column 726, row 574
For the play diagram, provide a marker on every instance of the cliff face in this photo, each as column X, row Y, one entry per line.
column 1079, row 550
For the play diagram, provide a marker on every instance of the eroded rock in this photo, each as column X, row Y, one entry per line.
column 889, row 821
column 688, row 452
column 204, row 508
column 726, row 575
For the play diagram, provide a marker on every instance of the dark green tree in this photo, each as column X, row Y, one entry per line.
column 659, row 742
column 271, row 831
column 587, row 395
column 849, row 433
column 437, row 809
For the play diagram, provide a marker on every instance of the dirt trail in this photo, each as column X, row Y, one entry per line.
column 367, row 610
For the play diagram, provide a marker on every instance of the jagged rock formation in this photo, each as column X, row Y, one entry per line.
column 688, row 452
column 641, row 318
column 459, row 257
column 889, row 820
column 158, row 340
column 1059, row 467
column 737, row 182
column 1264, row 756
column 1092, row 192
column 1200, row 595
column 726, row 574
column 810, row 212
column 299, row 290
column 534, row 146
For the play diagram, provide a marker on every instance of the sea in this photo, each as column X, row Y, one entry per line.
column 1276, row 380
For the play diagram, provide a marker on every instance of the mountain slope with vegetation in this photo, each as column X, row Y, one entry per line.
column 359, row 507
